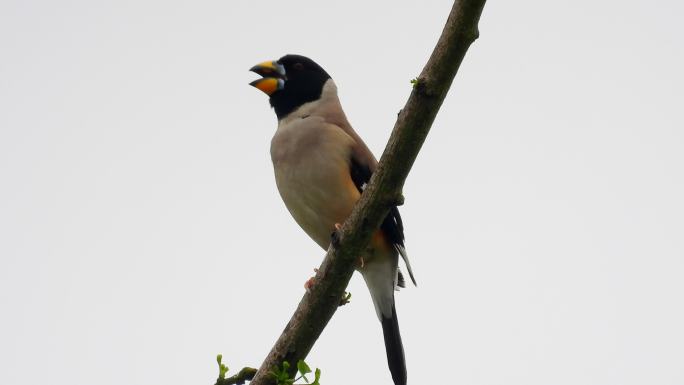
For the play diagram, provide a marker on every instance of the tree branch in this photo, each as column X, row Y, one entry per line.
column 384, row 190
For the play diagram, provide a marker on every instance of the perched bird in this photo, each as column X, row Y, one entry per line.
column 321, row 168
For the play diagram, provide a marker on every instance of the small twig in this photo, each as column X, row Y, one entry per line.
column 346, row 299
column 246, row 374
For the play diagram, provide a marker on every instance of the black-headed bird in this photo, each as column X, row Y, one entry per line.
column 321, row 168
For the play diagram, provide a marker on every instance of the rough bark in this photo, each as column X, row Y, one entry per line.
column 384, row 190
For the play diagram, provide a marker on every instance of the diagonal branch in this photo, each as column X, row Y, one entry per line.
column 384, row 190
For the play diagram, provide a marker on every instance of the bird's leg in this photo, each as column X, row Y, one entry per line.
column 310, row 282
column 335, row 236
column 336, row 240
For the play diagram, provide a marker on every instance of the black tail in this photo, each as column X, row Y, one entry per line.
column 394, row 348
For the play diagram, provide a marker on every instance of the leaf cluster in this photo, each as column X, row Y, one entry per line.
column 282, row 374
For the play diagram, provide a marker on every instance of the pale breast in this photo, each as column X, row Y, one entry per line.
column 311, row 163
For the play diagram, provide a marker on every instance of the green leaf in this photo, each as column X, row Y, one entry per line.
column 223, row 369
column 415, row 82
column 317, row 376
column 281, row 375
column 303, row 367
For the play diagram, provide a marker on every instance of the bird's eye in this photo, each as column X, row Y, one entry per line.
column 298, row 66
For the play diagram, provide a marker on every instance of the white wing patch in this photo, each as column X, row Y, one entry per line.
column 402, row 251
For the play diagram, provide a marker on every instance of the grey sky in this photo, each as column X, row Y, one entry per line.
column 141, row 232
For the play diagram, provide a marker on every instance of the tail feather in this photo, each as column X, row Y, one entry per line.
column 394, row 348
column 381, row 277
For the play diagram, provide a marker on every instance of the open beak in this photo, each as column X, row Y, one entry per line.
column 273, row 77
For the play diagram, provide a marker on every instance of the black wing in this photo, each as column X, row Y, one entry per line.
column 392, row 225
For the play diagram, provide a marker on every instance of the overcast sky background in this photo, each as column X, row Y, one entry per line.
column 141, row 232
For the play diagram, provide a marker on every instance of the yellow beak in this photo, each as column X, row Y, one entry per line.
column 273, row 77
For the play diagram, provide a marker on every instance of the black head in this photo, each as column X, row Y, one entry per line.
column 290, row 82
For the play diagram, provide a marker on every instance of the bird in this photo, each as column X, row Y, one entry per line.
column 322, row 166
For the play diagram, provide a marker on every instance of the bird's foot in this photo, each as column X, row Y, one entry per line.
column 362, row 263
column 310, row 282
